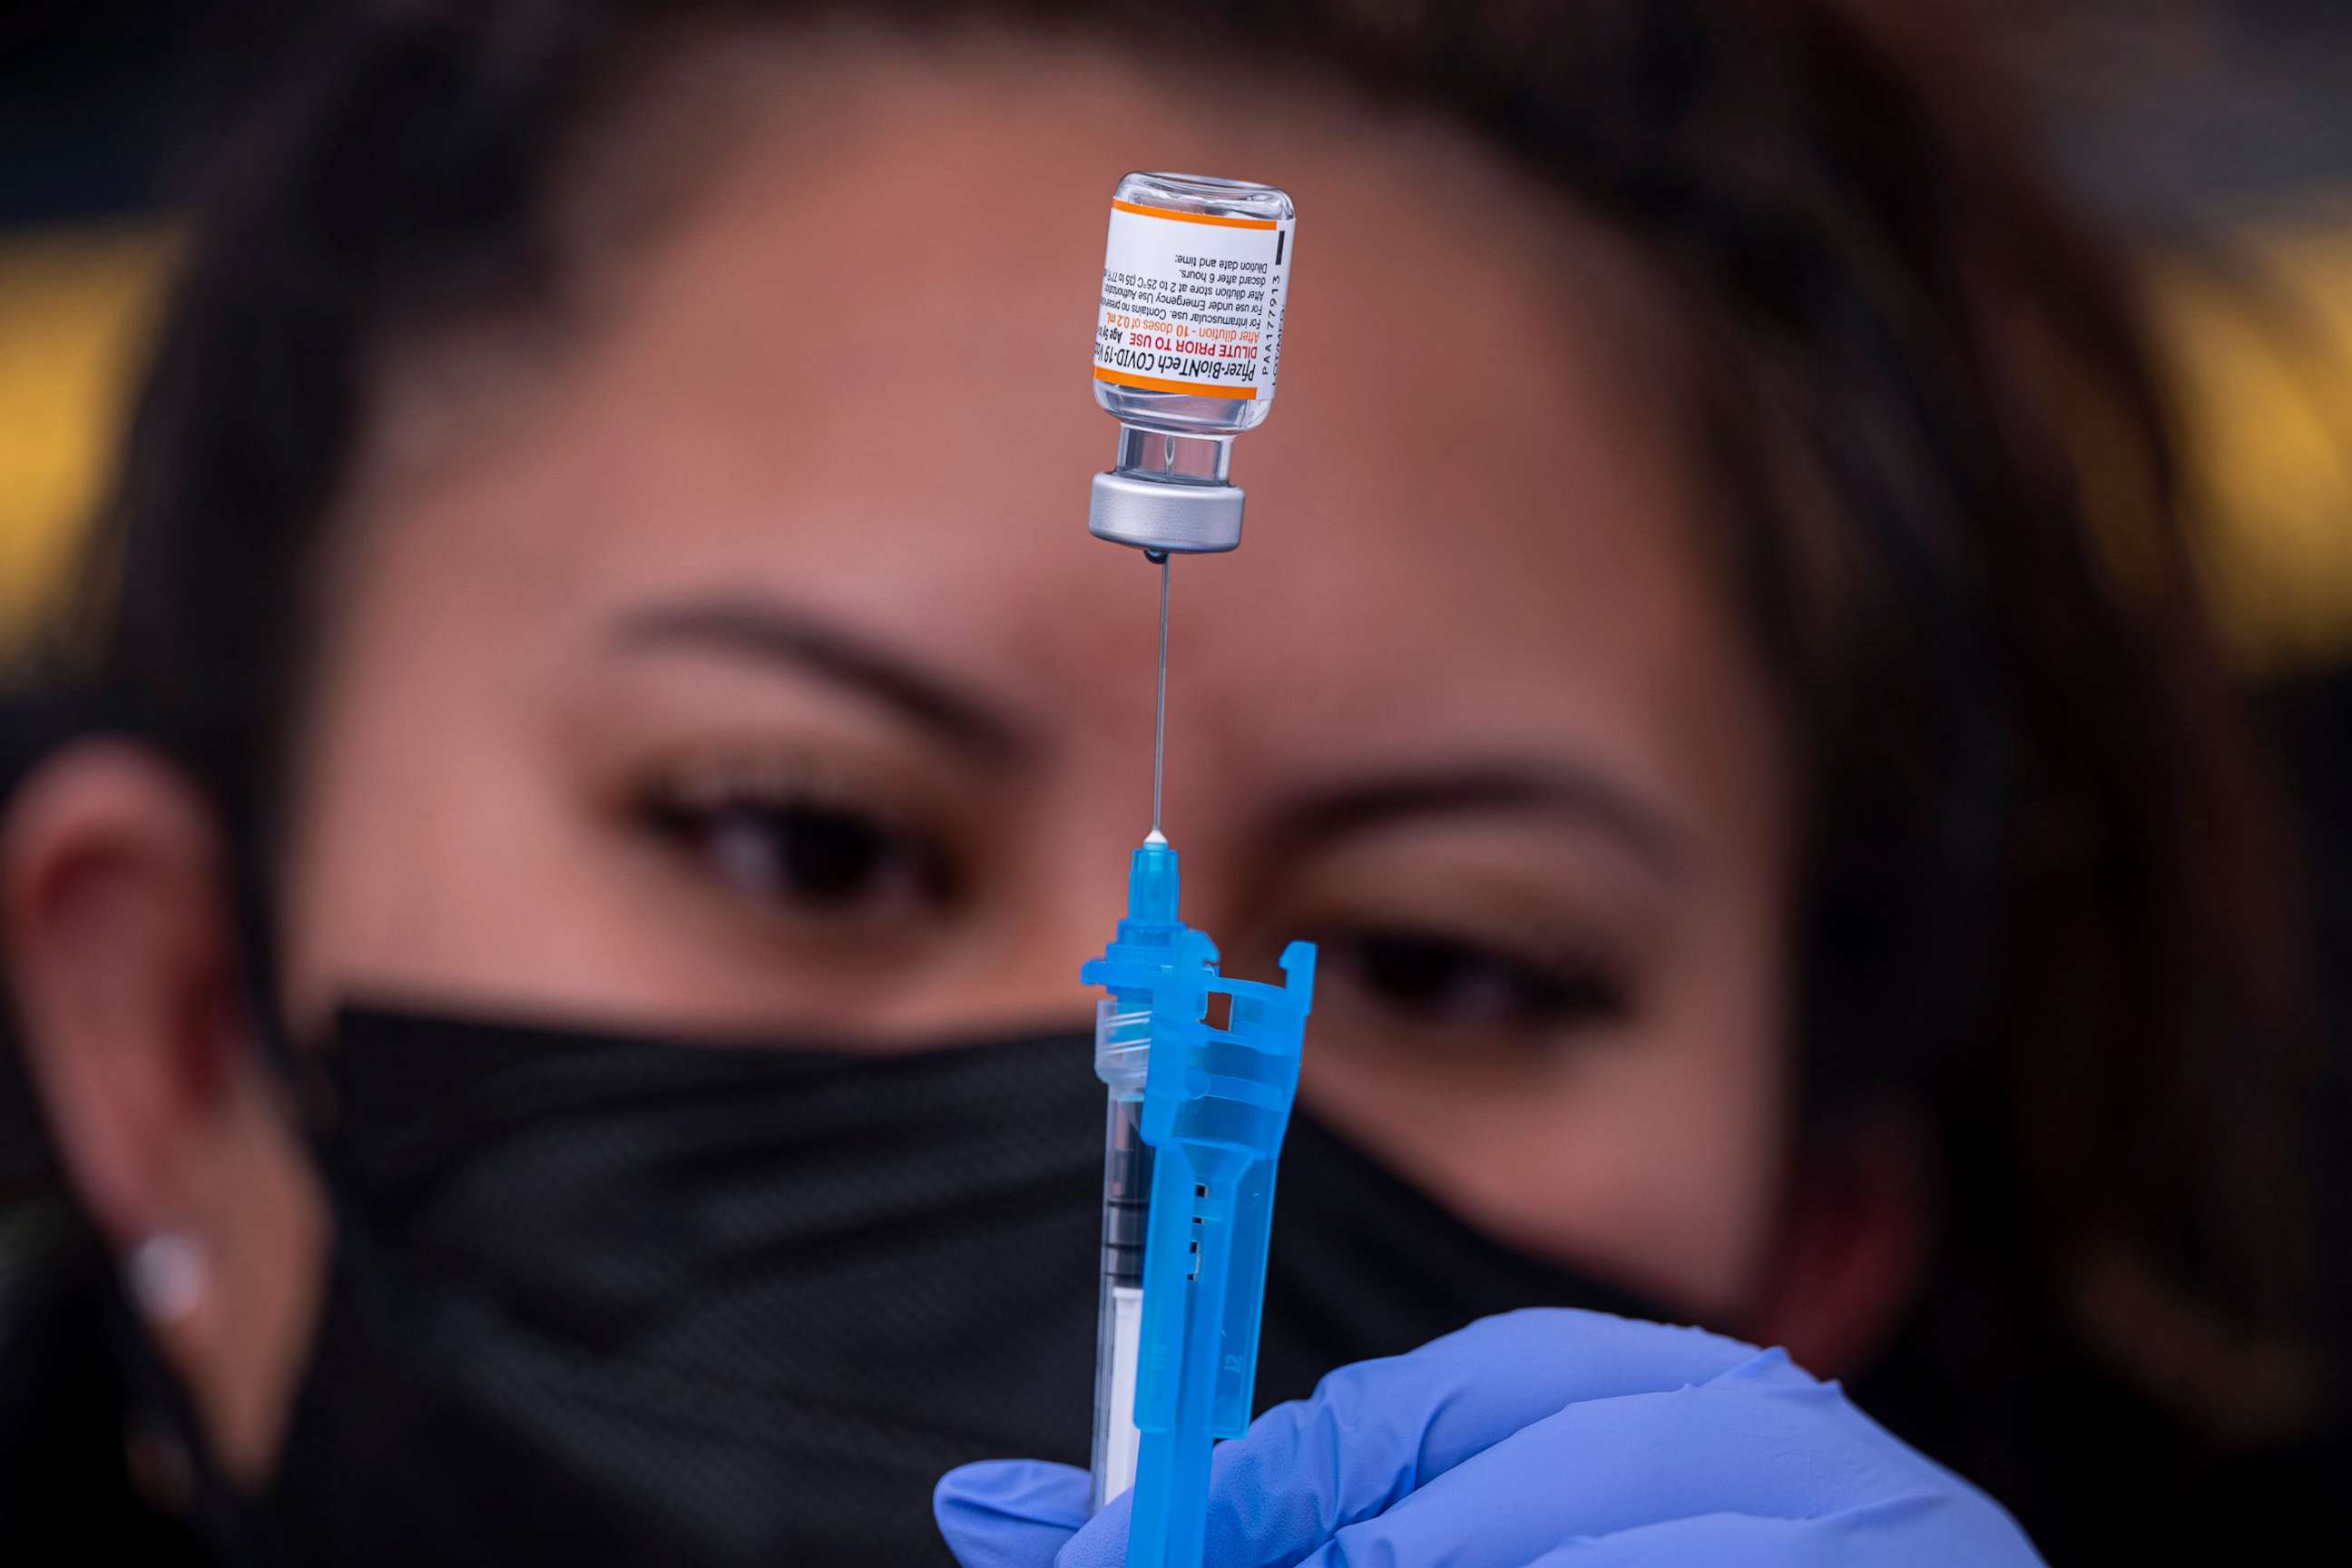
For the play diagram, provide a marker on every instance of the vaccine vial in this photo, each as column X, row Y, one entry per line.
column 1187, row 345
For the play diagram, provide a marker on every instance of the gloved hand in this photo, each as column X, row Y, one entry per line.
column 1562, row 1438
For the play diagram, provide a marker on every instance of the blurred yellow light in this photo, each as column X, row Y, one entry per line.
column 74, row 311
column 2261, row 351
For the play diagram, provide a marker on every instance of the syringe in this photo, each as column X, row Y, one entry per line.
column 1146, row 942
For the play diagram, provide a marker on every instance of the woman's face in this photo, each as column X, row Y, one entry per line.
column 748, row 664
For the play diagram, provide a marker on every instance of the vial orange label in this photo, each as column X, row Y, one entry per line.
column 1192, row 303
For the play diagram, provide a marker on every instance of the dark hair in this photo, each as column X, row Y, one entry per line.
column 2042, row 885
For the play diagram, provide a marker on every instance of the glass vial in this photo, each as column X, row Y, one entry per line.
column 1188, row 342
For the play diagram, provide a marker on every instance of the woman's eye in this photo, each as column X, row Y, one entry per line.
column 1431, row 980
column 812, row 857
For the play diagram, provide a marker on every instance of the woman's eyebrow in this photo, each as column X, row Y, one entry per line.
column 1543, row 786
column 764, row 631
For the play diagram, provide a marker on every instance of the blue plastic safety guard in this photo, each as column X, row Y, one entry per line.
column 1216, row 1103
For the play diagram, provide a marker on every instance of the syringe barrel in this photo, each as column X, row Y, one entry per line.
column 1126, row 1192
column 1128, row 970
column 1127, row 1212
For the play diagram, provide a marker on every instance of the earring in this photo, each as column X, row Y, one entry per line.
column 167, row 1274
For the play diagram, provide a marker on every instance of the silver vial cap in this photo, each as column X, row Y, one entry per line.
column 1155, row 514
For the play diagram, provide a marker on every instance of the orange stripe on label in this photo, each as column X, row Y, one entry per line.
column 1210, row 218
column 1161, row 383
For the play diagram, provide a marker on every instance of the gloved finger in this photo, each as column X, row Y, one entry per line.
column 1745, row 1443
column 1374, row 1432
column 1009, row 1513
column 1917, row 1531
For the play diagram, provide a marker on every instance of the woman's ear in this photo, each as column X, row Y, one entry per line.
column 121, row 963
column 116, row 912
column 1863, row 1214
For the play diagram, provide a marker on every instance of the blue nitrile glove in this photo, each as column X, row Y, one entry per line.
column 1562, row 1438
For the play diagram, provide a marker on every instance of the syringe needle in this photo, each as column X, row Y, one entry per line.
column 1160, row 710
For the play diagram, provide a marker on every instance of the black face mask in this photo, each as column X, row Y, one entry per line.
column 597, row 1299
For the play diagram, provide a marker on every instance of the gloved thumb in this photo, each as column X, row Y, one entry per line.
column 1009, row 1513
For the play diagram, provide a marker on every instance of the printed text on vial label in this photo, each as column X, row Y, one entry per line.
column 1185, row 303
